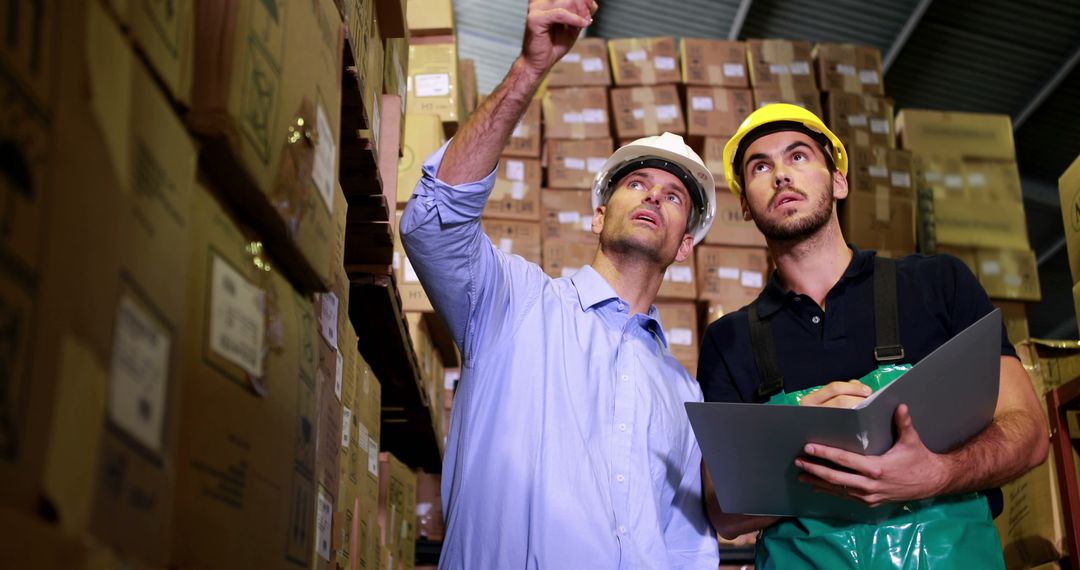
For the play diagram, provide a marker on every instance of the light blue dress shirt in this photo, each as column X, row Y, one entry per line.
column 569, row 445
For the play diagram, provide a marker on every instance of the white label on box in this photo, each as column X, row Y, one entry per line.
column 934, row 177
column 373, row 456
column 681, row 336
column 636, row 55
column 977, row 179
column 638, row 113
column 506, row 245
column 844, row 69
column 410, row 273
column 592, row 65
column 139, row 374
column 324, row 522
column 800, row 68
column 396, row 262
column 734, row 70
column 322, row 172
column 586, row 224
column 569, row 218
column 878, row 171
column 346, row 429
column 869, row 77
column 751, row 279
column 433, row 85
column 1013, row 281
column 594, row 163
column 362, row 435
column 328, row 318
column 679, row 274
column 857, row 120
column 572, row 57
column 515, row 170
column 954, row 181
column 569, row 271
column 728, row 272
column 779, row 69
column 879, row 126
column 594, row 116
column 990, row 267
column 517, row 190
column 667, row 112
column 701, row 103
column 520, row 131
column 571, row 163
column 664, row 63
column 237, row 321
column 901, row 179
column 339, row 375
column 572, row 118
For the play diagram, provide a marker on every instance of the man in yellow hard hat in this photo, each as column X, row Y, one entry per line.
column 827, row 316
column 569, row 446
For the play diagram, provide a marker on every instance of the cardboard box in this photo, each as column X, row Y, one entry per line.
column 713, row 155
column 248, row 121
column 390, row 150
column 1014, row 315
column 729, row 227
column 366, row 531
column 576, row 113
column 849, row 67
column 1049, row 363
column 860, row 120
column 1009, row 273
column 679, row 282
column 30, row 542
column 396, row 68
column 809, row 99
column 1032, row 524
column 345, row 542
column 563, row 258
column 470, row 91
column 516, row 195
column 391, row 17
column 1069, row 191
column 423, row 136
column 993, row 181
column 514, row 237
column 329, row 381
column 165, row 35
column 525, row 140
column 716, row 111
column 430, row 17
column 878, row 169
column 433, row 85
column 879, row 219
column 680, row 322
column 713, row 62
column 574, row 163
column 730, row 277
column 429, row 515
column 955, row 134
column 966, row 223
column 413, row 296
column 781, row 65
column 397, row 511
column 644, row 111
column 644, row 61
column 585, row 64
column 567, row 215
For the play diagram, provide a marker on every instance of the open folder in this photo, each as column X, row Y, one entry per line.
column 750, row 449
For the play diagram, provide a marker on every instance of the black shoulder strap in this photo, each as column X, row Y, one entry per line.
column 770, row 380
column 886, row 313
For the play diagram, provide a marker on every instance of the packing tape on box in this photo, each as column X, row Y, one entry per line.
column 645, row 96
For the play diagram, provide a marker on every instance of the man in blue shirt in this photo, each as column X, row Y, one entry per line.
column 569, row 445
column 819, row 312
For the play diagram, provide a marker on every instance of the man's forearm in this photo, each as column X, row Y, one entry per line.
column 475, row 150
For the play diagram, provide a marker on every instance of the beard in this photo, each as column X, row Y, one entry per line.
column 800, row 229
column 626, row 246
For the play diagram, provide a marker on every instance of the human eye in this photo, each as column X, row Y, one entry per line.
column 635, row 185
column 798, row 156
column 674, row 198
column 759, row 167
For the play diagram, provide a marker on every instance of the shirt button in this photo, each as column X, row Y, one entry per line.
column 622, row 427
column 625, row 378
column 797, row 298
column 816, row 319
column 622, row 530
column 620, row 477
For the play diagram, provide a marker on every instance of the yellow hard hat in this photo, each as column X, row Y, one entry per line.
column 784, row 117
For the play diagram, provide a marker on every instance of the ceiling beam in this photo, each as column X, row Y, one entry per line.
column 904, row 35
column 1050, row 252
column 1047, row 89
column 740, row 19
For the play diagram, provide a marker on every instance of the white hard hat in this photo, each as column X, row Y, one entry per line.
column 666, row 152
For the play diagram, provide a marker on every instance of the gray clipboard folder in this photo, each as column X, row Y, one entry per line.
column 750, row 449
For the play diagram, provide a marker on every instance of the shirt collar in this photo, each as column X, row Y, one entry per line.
column 592, row 290
column 774, row 295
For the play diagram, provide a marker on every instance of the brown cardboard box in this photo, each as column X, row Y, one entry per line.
column 1009, row 273
column 413, row 296
column 781, row 65
column 1069, row 191
column 366, row 532
column 993, row 181
column 433, row 86
column 644, row 111
column 871, row 168
column 574, row 163
column 513, row 237
column 644, row 61
column 563, row 258
column 967, row 223
column 1014, row 315
column 345, row 543
column 430, row 17
column 396, row 68
column 679, row 282
column 849, row 67
column 863, row 120
column 955, row 134
column 165, row 35
column 879, row 220
column 397, row 511
column 423, row 136
column 576, row 113
column 713, row 155
column 390, row 149
column 329, row 382
column 469, row 89
column 429, row 515
column 525, row 140
column 716, row 111
column 729, row 227
column 681, row 329
column 730, row 277
column 1032, row 525
column 1049, row 363
column 567, row 215
column 517, row 190
column 283, row 182
column 246, row 474
column 809, row 99
column 30, row 542
column 585, row 64
column 713, row 62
